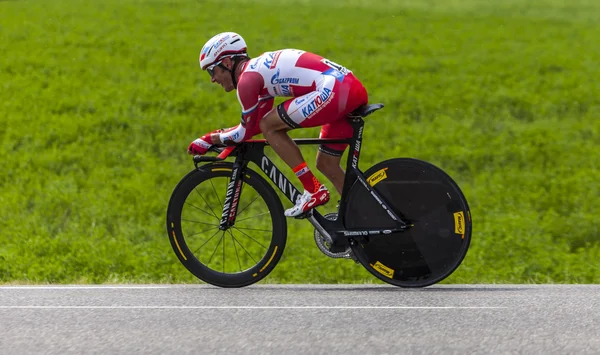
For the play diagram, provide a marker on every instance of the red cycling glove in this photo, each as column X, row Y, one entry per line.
column 201, row 145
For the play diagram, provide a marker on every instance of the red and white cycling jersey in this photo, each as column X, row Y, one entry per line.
column 322, row 92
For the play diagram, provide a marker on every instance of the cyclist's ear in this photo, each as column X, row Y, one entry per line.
column 228, row 63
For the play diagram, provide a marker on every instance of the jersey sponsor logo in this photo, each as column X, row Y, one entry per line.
column 286, row 90
column 253, row 64
column 270, row 59
column 318, row 103
column 299, row 100
column 276, row 80
column 275, row 60
column 231, row 136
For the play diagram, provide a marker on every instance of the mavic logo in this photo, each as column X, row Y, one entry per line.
column 459, row 222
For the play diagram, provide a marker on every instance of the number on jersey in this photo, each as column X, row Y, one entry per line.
column 335, row 66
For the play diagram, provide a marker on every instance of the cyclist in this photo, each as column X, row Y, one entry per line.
column 322, row 93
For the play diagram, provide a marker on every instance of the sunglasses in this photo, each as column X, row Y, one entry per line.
column 211, row 69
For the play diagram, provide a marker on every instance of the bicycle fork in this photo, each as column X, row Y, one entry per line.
column 232, row 196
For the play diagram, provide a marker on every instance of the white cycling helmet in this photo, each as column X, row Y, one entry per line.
column 226, row 44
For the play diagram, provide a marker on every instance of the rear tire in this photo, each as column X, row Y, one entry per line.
column 419, row 192
column 241, row 255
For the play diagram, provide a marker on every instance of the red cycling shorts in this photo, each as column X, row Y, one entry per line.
column 327, row 106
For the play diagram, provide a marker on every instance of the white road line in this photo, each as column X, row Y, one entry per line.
column 75, row 287
column 245, row 307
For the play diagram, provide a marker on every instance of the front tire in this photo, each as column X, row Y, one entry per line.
column 244, row 253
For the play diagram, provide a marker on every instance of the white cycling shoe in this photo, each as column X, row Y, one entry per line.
column 307, row 201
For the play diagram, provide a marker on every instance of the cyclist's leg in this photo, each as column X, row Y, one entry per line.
column 275, row 132
column 315, row 193
column 330, row 155
column 332, row 100
column 310, row 110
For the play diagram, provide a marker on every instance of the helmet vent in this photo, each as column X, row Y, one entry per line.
column 234, row 41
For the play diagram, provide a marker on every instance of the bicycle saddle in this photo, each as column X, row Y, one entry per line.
column 365, row 110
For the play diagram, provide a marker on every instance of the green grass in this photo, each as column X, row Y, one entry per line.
column 99, row 100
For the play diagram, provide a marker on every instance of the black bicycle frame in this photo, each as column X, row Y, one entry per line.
column 334, row 231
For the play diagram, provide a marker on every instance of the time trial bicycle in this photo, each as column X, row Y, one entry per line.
column 405, row 220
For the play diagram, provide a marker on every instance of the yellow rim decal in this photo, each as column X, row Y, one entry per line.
column 178, row 247
column 377, row 177
column 459, row 223
column 268, row 262
column 384, row 270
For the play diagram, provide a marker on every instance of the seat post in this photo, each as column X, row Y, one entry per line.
column 357, row 124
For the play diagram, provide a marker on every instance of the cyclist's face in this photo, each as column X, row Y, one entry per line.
column 222, row 76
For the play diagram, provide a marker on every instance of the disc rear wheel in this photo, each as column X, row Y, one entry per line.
column 440, row 233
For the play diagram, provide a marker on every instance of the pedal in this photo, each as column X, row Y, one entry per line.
column 306, row 214
column 302, row 216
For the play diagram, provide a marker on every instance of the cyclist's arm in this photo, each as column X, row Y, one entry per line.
column 265, row 105
column 254, row 106
column 249, row 90
column 243, row 132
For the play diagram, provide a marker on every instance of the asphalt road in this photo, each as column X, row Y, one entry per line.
column 300, row 319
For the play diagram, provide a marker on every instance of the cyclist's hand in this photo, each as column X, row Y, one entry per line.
column 201, row 145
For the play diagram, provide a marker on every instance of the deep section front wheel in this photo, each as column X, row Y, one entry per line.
column 240, row 255
column 437, row 240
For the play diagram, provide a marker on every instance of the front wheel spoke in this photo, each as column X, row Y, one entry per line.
column 241, row 246
column 255, row 216
column 212, row 214
column 197, row 233
column 249, row 237
column 235, row 248
column 203, row 244
column 253, row 229
column 190, row 220
column 251, row 202
column 215, row 190
column 206, row 202
column 217, row 247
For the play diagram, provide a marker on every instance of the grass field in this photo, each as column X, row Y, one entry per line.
column 99, row 100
